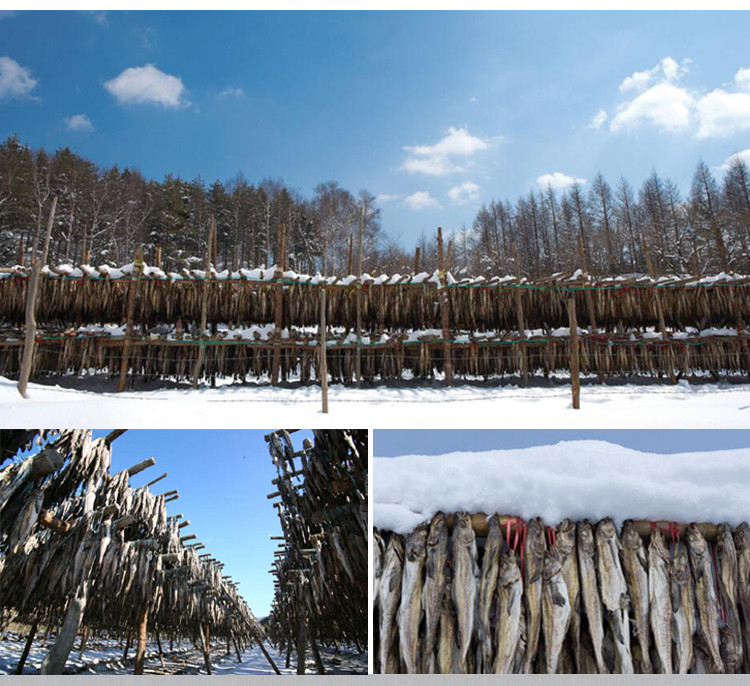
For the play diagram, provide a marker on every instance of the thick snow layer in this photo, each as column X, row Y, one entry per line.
column 574, row 479
column 645, row 406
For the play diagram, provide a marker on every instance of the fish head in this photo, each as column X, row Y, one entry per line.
column 606, row 529
column 565, row 536
column 695, row 540
column 510, row 572
column 724, row 539
column 438, row 530
column 416, row 543
column 552, row 563
column 535, row 538
column 463, row 532
column 680, row 564
column 586, row 536
column 630, row 537
column 742, row 537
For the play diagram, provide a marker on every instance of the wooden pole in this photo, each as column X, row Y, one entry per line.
column 301, row 643
column 660, row 312
column 520, row 317
column 417, row 255
column 350, row 255
column 323, row 352
column 575, row 384
column 158, row 645
column 206, row 648
column 132, row 289
column 316, row 654
column 444, row 312
column 27, row 362
column 138, row 468
column 358, row 354
column 588, row 295
column 279, row 306
column 268, row 657
column 236, row 648
column 84, row 638
column 198, row 368
column 26, row 649
column 54, row 661
column 140, row 646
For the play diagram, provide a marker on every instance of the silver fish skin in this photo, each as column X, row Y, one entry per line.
column 635, row 563
column 533, row 569
column 660, row 598
column 705, row 594
column 465, row 584
column 728, row 565
column 447, row 649
column 614, row 592
column 25, row 520
column 741, row 536
column 487, row 585
column 565, row 543
column 434, row 587
column 590, row 598
column 555, row 609
column 683, row 608
column 390, row 596
column 377, row 565
column 410, row 610
column 509, row 610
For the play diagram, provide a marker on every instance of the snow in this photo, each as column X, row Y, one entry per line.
column 574, row 479
column 645, row 405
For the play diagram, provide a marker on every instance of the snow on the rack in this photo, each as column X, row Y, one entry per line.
column 574, row 479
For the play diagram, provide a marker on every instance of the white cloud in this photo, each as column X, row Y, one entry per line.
column 438, row 159
column 148, row 85
column 99, row 16
column 664, row 106
column 667, row 70
column 598, row 119
column 742, row 79
column 558, row 180
column 15, row 81
column 79, row 123
column 463, row 193
column 472, row 99
column 721, row 114
column 744, row 155
column 232, row 93
column 421, row 200
column 387, row 197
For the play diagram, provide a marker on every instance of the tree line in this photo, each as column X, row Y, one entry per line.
column 104, row 214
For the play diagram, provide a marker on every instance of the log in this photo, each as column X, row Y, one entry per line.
column 136, row 469
column 27, row 361
column 140, row 646
column 575, row 383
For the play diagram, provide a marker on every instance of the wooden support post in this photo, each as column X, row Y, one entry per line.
column 26, row 649
column 575, row 384
column 206, row 648
column 358, row 332
column 278, row 305
column 660, row 313
column 198, row 368
column 316, row 654
column 301, row 642
column 54, row 661
column 158, row 256
column 520, row 318
column 158, row 645
column 444, row 312
column 288, row 654
column 127, row 645
column 32, row 289
column 236, row 648
column 133, row 287
column 84, row 637
column 323, row 353
column 417, row 255
column 140, row 646
column 588, row 295
column 349, row 265
column 21, row 252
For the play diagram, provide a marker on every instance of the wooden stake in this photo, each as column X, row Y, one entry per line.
column 198, row 368
column 279, row 306
column 323, row 352
column 27, row 362
column 206, row 648
column 358, row 352
column 575, row 384
column 133, row 287
column 26, row 649
column 444, row 312
column 140, row 646
column 520, row 317
column 158, row 645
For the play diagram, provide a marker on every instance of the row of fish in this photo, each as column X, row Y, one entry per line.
column 577, row 598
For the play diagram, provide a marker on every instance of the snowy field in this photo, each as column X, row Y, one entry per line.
column 574, row 479
column 107, row 658
column 70, row 402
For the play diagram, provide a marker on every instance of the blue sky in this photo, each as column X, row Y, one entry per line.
column 223, row 478
column 392, row 443
column 433, row 112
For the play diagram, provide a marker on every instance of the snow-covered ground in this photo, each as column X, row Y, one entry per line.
column 91, row 402
column 574, row 479
column 106, row 657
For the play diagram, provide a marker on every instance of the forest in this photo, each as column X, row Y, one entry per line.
column 103, row 214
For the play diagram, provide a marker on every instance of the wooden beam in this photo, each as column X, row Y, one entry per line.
column 49, row 521
column 44, row 463
column 157, row 479
column 136, row 469
column 114, row 434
